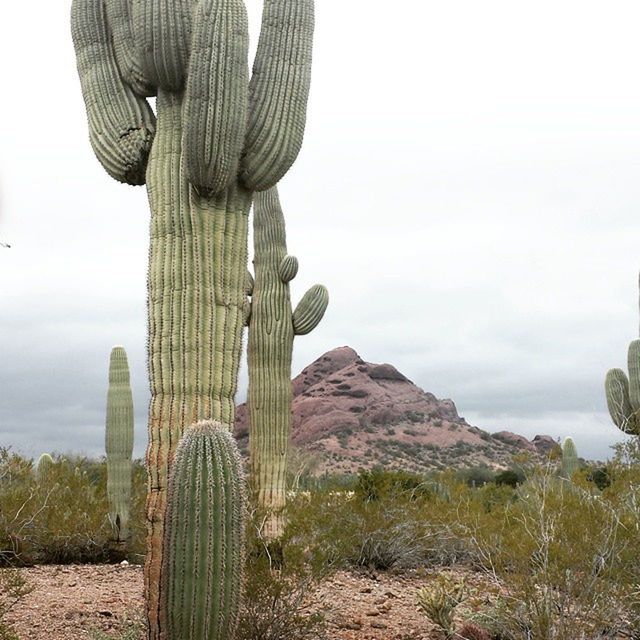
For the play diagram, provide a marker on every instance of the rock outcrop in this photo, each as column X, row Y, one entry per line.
column 354, row 414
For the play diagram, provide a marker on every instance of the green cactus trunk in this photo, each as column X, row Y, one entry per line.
column 198, row 262
column 119, row 443
column 271, row 332
column 570, row 462
column 204, row 537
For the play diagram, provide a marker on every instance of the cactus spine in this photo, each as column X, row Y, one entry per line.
column 199, row 195
column 119, row 443
column 623, row 393
column 204, row 536
column 272, row 327
column 570, row 463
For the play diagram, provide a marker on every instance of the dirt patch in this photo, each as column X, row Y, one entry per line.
column 78, row 602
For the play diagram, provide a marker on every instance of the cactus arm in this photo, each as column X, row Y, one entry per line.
column 216, row 96
column 204, row 538
column 121, row 124
column 162, row 31
column 43, row 466
column 633, row 362
column 126, row 53
column 249, row 283
column 617, row 393
column 310, row 310
column 288, row 268
column 119, row 443
column 278, row 92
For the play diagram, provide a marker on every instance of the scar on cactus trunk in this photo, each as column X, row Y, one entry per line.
column 119, row 445
column 272, row 327
column 219, row 138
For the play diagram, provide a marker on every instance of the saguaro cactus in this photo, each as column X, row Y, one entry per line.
column 204, row 536
column 272, row 327
column 119, row 443
column 623, row 393
column 218, row 138
column 570, row 462
column 43, row 466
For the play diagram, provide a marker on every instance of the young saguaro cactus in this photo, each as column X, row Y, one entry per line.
column 272, row 327
column 43, row 466
column 219, row 137
column 204, row 536
column 119, row 443
column 570, row 462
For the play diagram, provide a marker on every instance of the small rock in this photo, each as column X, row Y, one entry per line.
column 380, row 600
column 105, row 613
column 124, row 563
column 366, row 590
column 378, row 624
column 372, row 612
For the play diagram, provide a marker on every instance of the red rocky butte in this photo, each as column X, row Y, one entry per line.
column 351, row 414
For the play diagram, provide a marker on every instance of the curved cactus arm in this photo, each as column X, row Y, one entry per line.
column 216, row 97
column 121, row 124
column 126, row 52
column 278, row 92
column 310, row 310
column 288, row 268
column 162, row 32
column 203, row 561
column 617, row 391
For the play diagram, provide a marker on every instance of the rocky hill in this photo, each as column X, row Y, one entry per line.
column 353, row 414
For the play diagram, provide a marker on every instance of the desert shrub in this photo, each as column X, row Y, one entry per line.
column 563, row 557
column 509, row 477
column 63, row 518
column 478, row 476
column 13, row 587
column 439, row 601
column 280, row 579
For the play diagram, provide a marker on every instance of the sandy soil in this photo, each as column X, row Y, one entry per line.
column 78, row 602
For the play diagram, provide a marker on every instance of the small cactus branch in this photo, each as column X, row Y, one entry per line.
column 278, row 92
column 217, row 94
column 162, row 31
column 121, row 124
column 310, row 310
column 119, row 443
column 204, row 536
column 288, row 268
column 126, row 52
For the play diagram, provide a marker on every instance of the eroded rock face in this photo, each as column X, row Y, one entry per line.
column 355, row 414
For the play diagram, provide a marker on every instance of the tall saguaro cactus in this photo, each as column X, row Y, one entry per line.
column 272, row 327
column 623, row 393
column 119, row 443
column 218, row 138
column 204, row 557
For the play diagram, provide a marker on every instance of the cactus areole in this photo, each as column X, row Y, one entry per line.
column 272, row 327
column 220, row 135
column 119, row 443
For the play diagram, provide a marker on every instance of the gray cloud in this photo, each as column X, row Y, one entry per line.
column 469, row 198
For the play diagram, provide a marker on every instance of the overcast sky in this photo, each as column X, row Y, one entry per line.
column 468, row 191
